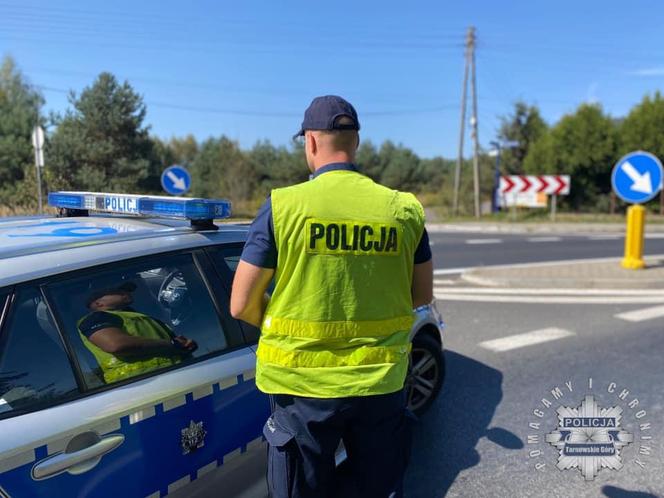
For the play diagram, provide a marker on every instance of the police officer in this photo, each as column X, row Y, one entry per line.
column 125, row 342
column 350, row 259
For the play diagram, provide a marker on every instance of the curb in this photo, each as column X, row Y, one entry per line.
column 491, row 277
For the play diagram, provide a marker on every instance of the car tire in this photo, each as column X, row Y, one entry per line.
column 426, row 373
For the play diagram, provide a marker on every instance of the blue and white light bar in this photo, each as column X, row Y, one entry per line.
column 143, row 205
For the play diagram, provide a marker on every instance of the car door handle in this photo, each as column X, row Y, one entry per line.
column 78, row 460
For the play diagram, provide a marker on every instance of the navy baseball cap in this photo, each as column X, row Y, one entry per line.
column 124, row 288
column 324, row 112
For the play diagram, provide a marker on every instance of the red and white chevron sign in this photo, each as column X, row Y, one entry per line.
column 547, row 184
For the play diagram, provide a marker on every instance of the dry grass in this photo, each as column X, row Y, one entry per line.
column 16, row 211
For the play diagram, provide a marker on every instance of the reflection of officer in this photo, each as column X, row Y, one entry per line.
column 125, row 342
column 350, row 259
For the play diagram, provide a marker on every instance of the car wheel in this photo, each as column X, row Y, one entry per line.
column 426, row 372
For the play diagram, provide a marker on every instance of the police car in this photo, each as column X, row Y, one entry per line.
column 189, row 427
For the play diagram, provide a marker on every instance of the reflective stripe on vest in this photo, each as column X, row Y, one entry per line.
column 329, row 330
column 366, row 355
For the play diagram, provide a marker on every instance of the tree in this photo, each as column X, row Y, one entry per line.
column 642, row 128
column 277, row 166
column 180, row 151
column 101, row 143
column 221, row 169
column 436, row 173
column 525, row 126
column 20, row 104
column 400, row 167
column 583, row 145
column 368, row 161
column 183, row 150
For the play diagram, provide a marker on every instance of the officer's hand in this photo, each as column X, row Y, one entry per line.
column 188, row 345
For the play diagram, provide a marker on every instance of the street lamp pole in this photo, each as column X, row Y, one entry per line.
column 496, row 178
column 498, row 149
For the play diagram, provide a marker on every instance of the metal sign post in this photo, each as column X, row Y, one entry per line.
column 636, row 178
column 554, row 202
column 38, row 144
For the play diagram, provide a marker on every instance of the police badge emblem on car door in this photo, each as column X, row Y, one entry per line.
column 193, row 437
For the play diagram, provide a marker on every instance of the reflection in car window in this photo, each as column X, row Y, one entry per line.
column 34, row 369
column 227, row 259
column 137, row 318
column 232, row 261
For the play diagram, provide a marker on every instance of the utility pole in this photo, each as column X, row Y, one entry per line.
column 469, row 66
column 473, row 122
column 462, row 128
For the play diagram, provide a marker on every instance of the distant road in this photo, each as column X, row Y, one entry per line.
column 461, row 250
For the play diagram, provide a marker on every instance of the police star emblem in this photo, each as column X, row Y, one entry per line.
column 589, row 438
column 193, row 437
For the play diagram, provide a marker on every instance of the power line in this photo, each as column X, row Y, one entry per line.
column 408, row 52
column 250, row 113
column 184, row 20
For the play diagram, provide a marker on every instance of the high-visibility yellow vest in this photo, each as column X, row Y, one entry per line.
column 137, row 325
column 338, row 322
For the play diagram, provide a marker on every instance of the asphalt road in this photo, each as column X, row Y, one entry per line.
column 474, row 441
column 460, row 250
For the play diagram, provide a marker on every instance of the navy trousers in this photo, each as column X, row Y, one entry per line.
column 303, row 435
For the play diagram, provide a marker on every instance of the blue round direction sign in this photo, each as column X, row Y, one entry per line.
column 637, row 177
column 175, row 180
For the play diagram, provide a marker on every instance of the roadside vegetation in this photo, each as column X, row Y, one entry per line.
column 102, row 143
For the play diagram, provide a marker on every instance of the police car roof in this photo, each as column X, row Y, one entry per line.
column 77, row 241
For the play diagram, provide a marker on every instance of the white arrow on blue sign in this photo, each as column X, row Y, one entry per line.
column 175, row 180
column 637, row 177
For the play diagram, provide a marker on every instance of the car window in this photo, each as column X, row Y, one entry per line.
column 232, row 260
column 34, row 368
column 4, row 304
column 226, row 258
column 134, row 318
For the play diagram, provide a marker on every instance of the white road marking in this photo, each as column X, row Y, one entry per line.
column 483, row 241
column 641, row 315
column 605, row 237
column 544, row 239
column 654, row 236
column 451, row 296
column 450, row 271
column 443, row 282
column 527, row 339
column 553, row 292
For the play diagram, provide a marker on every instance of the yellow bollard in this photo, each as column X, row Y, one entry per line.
column 636, row 218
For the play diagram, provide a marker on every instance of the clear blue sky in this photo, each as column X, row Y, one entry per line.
column 249, row 69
